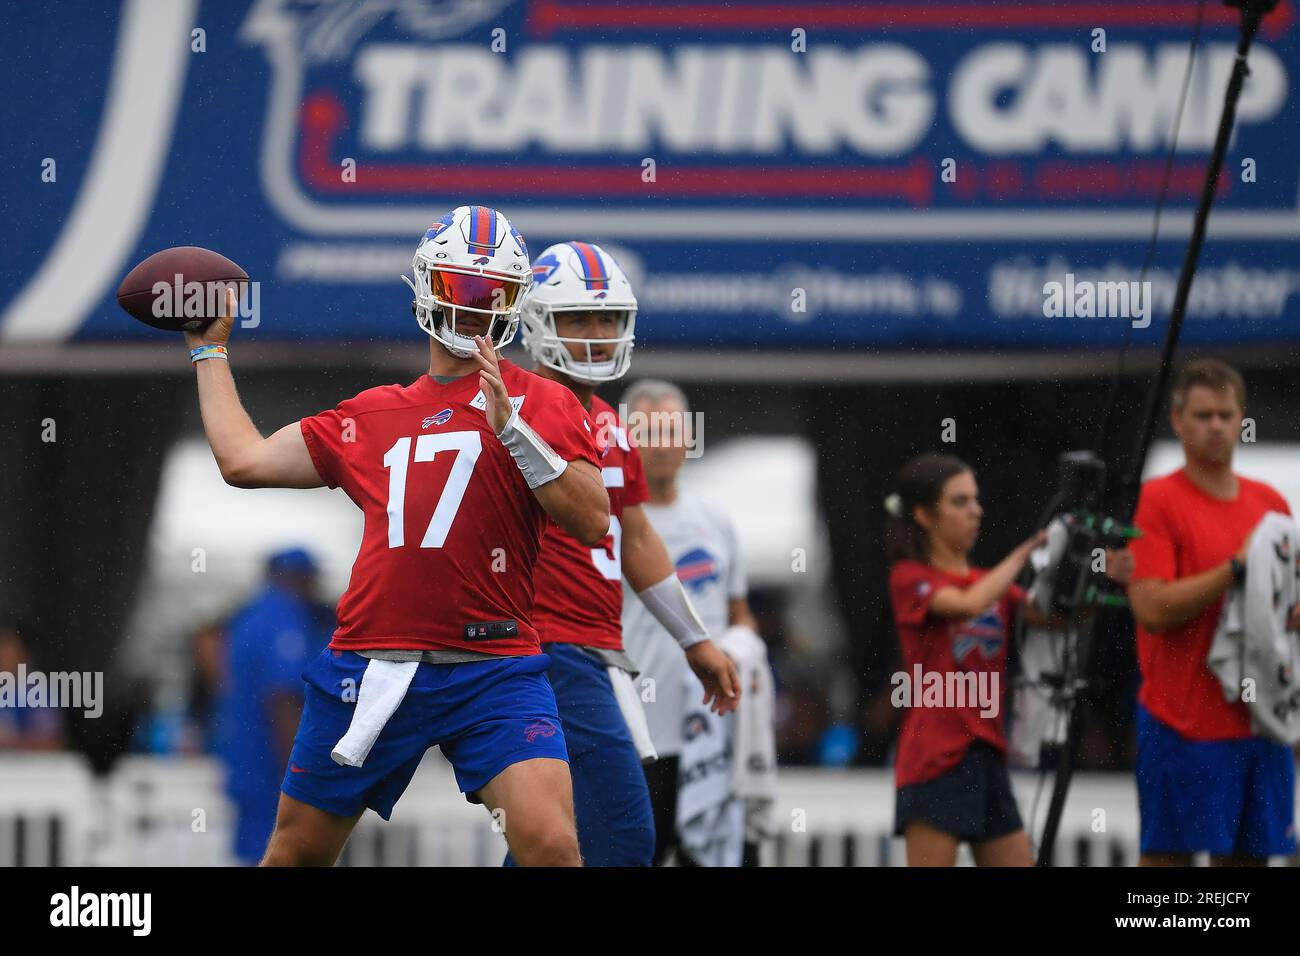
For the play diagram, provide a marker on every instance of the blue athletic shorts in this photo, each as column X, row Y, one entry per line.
column 972, row 801
column 610, row 797
column 485, row 715
column 1224, row 797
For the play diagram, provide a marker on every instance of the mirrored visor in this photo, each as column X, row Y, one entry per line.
column 486, row 293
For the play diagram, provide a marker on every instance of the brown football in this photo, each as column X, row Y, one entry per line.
column 179, row 289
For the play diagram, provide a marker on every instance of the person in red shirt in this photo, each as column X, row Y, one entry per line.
column 954, row 624
column 579, row 320
column 457, row 475
column 1205, row 784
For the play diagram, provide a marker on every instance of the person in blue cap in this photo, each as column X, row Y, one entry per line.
column 269, row 643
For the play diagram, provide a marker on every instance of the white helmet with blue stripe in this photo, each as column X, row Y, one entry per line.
column 470, row 261
column 579, row 277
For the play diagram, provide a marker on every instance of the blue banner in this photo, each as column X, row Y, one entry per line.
column 774, row 175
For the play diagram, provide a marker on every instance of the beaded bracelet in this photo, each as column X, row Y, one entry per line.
column 208, row 352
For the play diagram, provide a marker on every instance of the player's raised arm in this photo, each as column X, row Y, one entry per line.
column 246, row 459
column 572, row 492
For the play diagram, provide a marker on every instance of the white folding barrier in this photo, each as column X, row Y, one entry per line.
column 153, row 811
column 49, row 810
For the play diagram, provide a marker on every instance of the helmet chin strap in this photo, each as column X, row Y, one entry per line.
column 589, row 373
column 463, row 346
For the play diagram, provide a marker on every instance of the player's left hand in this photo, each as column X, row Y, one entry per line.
column 718, row 675
column 1293, row 619
column 494, row 389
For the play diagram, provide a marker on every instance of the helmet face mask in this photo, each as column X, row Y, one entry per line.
column 579, row 277
column 470, row 268
column 552, row 349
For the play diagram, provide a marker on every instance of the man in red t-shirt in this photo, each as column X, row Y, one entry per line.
column 458, row 474
column 1205, row 784
column 579, row 322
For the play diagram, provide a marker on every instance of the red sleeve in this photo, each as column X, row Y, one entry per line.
column 1280, row 503
column 326, row 436
column 564, row 424
column 1155, row 551
column 635, row 489
column 911, row 587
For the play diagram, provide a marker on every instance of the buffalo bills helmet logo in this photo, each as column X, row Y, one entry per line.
column 438, row 227
column 544, row 266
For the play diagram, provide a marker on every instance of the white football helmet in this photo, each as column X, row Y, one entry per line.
column 470, row 260
column 578, row 277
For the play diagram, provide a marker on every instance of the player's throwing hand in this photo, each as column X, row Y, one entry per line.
column 216, row 332
column 494, row 390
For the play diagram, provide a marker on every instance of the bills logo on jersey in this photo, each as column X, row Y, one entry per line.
column 697, row 569
column 985, row 632
column 442, row 418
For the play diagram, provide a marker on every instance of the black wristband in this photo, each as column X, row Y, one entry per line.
column 1238, row 571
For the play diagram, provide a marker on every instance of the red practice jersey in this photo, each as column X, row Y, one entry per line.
column 452, row 531
column 1186, row 531
column 933, row 739
column 579, row 590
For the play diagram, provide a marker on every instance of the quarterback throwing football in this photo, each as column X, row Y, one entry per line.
column 458, row 474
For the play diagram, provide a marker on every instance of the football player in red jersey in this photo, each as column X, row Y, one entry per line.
column 579, row 321
column 458, row 474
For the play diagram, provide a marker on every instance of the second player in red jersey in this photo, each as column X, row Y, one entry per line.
column 579, row 590
column 578, row 327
